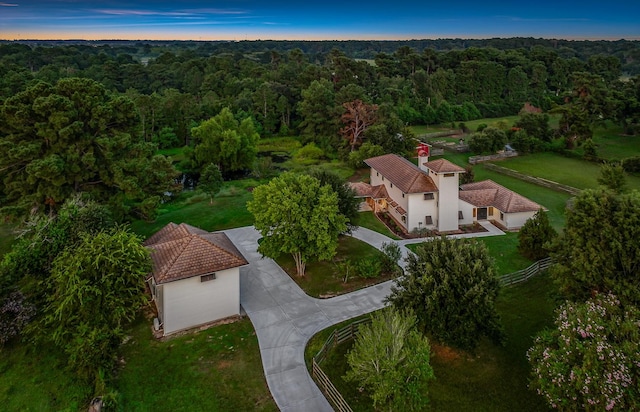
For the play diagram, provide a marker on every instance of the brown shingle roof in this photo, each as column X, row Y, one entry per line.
column 183, row 251
column 402, row 173
column 443, row 166
column 489, row 193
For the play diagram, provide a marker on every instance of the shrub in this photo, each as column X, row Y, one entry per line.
column 391, row 256
column 368, row 268
column 309, row 154
column 15, row 314
column 591, row 361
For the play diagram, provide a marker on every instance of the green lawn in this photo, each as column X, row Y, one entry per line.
column 573, row 172
column 227, row 211
column 325, row 279
column 494, row 378
column 370, row 221
column 612, row 144
column 218, row 369
column 503, row 250
column 36, row 380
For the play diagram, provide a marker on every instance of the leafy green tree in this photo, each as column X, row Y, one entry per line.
column 224, row 141
column 96, row 288
column 535, row 236
column 612, row 176
column 390, row 359
column 367, row 150
column 489, row 140
column 73, row 137
column 210, row 181
column 348, row 204
column 320, row 114
column 598, row 249
column 391, row 257
column 166, row 138
column 536, row 125
column 589, row 149
column 296, row 214
column 451, row 286
column 590, row 361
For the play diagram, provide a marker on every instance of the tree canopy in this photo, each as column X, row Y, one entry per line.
column 535, row 236
column 96, row 288
column 451, row 286
column 390, row 358
column 598, row 249
column 226, row 142
column 296, row 214
column 74, row 137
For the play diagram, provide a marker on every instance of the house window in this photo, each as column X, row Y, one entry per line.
column 428, row 196
column 377, row 174
column 490, row 211
column 449, row 174
column 460, row 217
column 392, row 185
column 428, row 220
column 474, row 212
column 403, row 195
column 501, row 216
column 208, row 277
column 404, row 219
column 383, row 178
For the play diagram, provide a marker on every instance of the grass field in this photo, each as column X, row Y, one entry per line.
column 37, row 380
column 325, row 279
column 218, row 369
column 612, row 144
column 227, row 211
column 494, row 378
column 573, row 172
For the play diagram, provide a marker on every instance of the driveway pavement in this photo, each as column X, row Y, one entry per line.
column 285, row 318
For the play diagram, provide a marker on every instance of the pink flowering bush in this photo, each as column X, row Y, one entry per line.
column 592, row 360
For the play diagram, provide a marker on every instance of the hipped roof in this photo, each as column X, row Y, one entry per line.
column 183, row 251
column 402, row 173
column 489, row 193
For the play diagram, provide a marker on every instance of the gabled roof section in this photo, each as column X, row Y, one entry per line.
column 443, row 166
column 183, row 251
column 489, row 193
column 402, row 173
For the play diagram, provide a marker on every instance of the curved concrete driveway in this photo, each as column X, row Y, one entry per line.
column 285, row 318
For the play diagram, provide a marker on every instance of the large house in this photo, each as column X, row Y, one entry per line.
column 429, row 195
column 196, row 276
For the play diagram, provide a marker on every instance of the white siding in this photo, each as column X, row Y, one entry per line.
column 190, row 302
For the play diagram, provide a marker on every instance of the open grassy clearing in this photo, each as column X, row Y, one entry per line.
column 573, row 172
column 494, row 378
column 227, row 211
column 612, row 144
column 325, row 279
column 218, row 369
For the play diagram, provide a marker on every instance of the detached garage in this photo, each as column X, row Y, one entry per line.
column 196, row 276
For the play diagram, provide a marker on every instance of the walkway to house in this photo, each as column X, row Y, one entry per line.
column 285, row 318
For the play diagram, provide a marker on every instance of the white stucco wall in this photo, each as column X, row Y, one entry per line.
column 448, row 200
column 189, row 302
column 516, row 220
column 418, row 209
column 467, row 213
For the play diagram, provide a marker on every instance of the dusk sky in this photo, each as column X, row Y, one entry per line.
column 317, row 20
